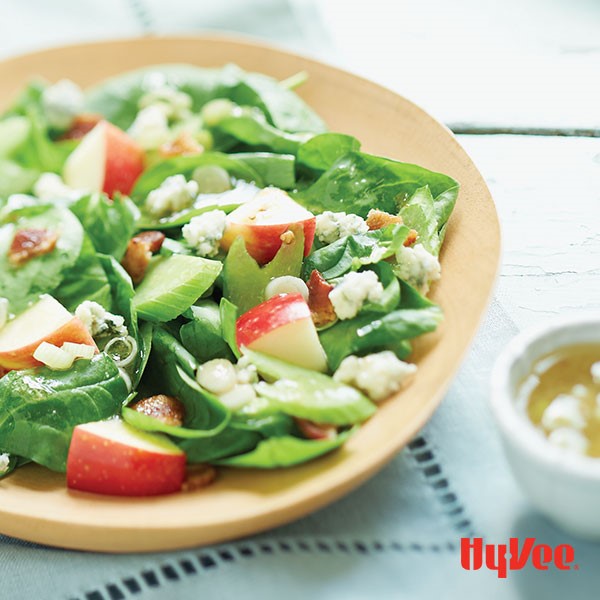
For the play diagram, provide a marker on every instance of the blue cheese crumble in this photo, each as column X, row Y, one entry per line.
column 417, row 267
column 99, row 322
column 150, row 129
column 173, row 195
column 62, row 102
column 332, row 226
column 204, row 232
column 377, row 375
column 353, row 290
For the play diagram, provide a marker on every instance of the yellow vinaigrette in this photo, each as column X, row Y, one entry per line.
column 561, row 396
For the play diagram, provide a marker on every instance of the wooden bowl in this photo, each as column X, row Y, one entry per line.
column 35, row 503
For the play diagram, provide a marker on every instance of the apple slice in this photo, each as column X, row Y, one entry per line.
column 106, row 160
column 45, row 321
column 263, row 220
column 112, row 457
column 283, row 327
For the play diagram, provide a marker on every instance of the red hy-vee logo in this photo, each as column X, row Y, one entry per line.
column 474, row 553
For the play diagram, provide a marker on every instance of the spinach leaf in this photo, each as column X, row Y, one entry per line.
column 109, row 223
column 250, row 126
column 244, row 281
column 202, row 335
column 370, row 332
column 358, row 182
column 117, row 98
column 285, row 451
column 420, row 213
column 353, row 251
column 39, row 408
column 85, row 280
column 277, row 170
column 42, row 274
column 318, row 154
column 172, row 371
column 146, row 423
column 229, row 442
column 309, row 395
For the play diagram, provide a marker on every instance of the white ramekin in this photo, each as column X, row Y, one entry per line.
column 563, row 485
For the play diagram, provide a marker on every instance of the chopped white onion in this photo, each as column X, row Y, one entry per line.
column 286, row 284
column 124, row 361
column 53, row 357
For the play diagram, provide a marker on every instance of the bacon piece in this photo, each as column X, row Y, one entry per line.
column 411, row 238
column 82, row 125
column 139, row 252
column 29, row 243
column 321, row 308
column 378, row 219
column 183, row 145
column 166, row 409
column 315, row 431
column 198, row 477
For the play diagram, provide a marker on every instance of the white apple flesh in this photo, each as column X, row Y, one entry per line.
column 111, row 457
column 106, row 160
column 263, row 220
column 283, row 327
column 45, row 321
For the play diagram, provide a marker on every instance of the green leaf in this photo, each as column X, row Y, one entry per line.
column 251, row 127
column 172, row 284
column 351, row 252
column 370, row 332
column 320, row 152
column 39, row 408
column 147, row 423
column 86, row 280
column 244, row 280
column 309, row 395
column 117, row 98
column 109, row 223
column 42, row 274
column 420, row 214
column 358, row 182
column 277, row 452
column 278, row 170
column 203, row 334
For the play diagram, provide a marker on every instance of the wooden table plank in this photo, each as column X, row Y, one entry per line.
column 547, row 191
column 478, row 62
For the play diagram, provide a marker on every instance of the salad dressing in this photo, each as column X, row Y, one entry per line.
column 561, row 396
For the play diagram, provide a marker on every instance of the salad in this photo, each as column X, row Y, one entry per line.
column 195, row 273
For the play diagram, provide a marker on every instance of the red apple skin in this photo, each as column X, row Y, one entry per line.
column 264, row 241
column 315, row 431
column 124, row 161
column 22, row 358
column 267, row 316
column 103, row 466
